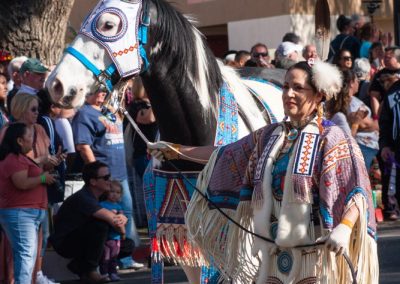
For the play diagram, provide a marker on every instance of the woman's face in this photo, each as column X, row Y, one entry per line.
column 32, row 113
column 26, row 141
column 354, row 85
column 378, row 52
column 299, row 98
column 3, row 88
column 345, row 60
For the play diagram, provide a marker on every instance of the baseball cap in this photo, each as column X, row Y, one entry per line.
column 33, row 65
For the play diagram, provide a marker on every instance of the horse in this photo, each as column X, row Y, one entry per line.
column 195, row 98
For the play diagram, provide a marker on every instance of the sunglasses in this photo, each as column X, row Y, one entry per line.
column 263, row 54
column 346, row 58
column 34, row 109
column 106, row 177
column 108, row 114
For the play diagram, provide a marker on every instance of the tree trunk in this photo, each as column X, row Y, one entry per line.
column 34, row 28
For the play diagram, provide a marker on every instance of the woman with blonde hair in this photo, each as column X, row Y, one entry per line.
column 25, row 109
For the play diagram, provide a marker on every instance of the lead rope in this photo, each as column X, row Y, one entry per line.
column 213, row 205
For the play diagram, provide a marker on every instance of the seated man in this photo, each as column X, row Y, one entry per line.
column 81, row 224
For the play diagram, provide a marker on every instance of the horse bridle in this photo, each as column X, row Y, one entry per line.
column 105, row 77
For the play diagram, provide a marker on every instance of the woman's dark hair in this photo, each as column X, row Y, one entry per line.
column 367, row 31
column 373, row 46
column 45, row 102
column 303, row 65
column 338, row 55
column 9, row 145
column 341, row 102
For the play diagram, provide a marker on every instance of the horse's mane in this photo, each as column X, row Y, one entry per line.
column 178, row 44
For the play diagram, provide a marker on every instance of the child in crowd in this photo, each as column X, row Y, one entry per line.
column 108, row 264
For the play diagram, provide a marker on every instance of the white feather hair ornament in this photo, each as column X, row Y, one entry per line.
column 327, row 78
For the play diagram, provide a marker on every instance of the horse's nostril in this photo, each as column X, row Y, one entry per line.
column 73, row 91
column 58, row 88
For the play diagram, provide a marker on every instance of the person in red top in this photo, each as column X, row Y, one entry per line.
column 23, row 198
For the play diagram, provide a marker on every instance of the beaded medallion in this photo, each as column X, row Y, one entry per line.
column 285, row 262
column 292, row 134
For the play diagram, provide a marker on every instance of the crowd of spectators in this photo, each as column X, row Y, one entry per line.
column 46, row 151
column 368, row 105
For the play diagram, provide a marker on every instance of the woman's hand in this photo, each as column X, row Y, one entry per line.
column 163, row 150
column 338, row 240
column 49, row 178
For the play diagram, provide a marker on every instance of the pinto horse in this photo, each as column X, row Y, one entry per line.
column 196, row 100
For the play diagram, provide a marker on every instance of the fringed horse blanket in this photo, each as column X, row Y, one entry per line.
column 292, row 196
column 167, row 195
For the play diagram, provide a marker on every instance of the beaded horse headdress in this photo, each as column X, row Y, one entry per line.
column 124, row 46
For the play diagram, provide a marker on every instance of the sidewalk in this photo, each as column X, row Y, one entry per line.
column 54, row 266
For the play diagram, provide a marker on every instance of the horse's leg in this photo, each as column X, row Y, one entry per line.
column 193, row 274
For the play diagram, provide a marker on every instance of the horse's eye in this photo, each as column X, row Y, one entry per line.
column 108, row 26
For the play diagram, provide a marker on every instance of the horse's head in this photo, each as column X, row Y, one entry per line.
column 108, row 48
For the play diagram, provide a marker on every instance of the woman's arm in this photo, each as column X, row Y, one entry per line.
column 350, row 217
column 169, row 151
column 23, row 182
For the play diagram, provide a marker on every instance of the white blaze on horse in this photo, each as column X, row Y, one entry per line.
column 196, row 100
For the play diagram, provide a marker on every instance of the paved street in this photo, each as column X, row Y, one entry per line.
column 388, row 248
column 389, row 252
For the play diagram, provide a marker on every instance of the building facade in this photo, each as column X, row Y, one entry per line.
column 238, row 24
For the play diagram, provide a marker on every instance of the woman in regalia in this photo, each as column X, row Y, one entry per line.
column 297, row 183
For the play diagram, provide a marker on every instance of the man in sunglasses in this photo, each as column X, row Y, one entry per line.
column 98, row 136
column 260, row 56
column 81, row 224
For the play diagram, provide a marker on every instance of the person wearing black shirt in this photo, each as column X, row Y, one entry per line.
column 81, row 224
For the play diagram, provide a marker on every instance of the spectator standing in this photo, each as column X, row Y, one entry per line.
column 376, row 58
column 3, row 98
column 229, row 58
column 108, row 263
column 25, row 108
column 363, row 127
column 23, row 198
column 98, row 136
column 33, row 75
column 389, row 143
column 260, row 55
column 47, row 111
column 81, row 226
column 377, row 91
column 368, row 35
column 291, row 37
column 336, row 108
column 362, row 69
column 343, row 59
column 287, row 54
column 310, row 51
column 13, row 72
column 345, row 39
column 142, row 112
column 242, row 56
